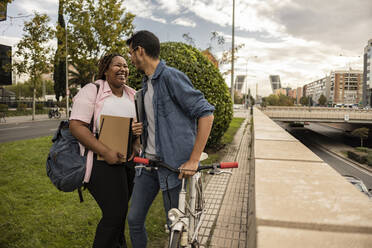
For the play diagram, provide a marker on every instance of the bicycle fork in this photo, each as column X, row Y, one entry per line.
column 180, row 217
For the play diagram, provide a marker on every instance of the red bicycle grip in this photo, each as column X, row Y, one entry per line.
column 139, row 160
column 225, row 165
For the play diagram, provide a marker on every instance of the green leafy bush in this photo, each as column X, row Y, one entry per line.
column 21, row 107
column 357, row 156
column 369, row 159
column 205, row 77
column 362, row 149
column 39, row 106
column 3, row 108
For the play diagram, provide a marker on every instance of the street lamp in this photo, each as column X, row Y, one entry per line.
column 232, row 52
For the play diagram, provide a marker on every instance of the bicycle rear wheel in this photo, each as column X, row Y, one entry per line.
column 175, row 239
column 58, row 115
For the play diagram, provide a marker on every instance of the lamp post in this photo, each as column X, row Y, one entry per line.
column 67, row 90
column 232, row 52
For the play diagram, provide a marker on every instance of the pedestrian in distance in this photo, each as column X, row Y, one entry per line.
column 110, row 181
column 176, row 127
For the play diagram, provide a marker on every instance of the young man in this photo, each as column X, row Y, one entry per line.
column 177, row 123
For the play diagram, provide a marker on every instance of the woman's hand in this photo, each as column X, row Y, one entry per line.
column 137, row 128
column 112, row 157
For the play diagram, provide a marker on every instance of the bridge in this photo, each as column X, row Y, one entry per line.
column 318, row 114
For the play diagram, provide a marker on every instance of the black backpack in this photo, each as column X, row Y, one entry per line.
column 65, row 166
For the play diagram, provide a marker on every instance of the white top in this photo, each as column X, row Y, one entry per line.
column 117, row 106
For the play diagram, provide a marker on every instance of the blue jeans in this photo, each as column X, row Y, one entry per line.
column 146, row 187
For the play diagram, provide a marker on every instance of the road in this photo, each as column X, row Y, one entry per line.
column 27, row 130
column 342, row 166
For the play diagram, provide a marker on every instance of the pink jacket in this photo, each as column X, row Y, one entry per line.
column 87, row 102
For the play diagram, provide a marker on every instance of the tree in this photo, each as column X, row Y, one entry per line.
column 322, row 100
column 34, row 52
column 59, row 75
column 96, row 28
column 361, row 133
column 304, row 101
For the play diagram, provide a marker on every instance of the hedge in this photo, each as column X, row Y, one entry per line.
column 357, row 156
column 204, row 76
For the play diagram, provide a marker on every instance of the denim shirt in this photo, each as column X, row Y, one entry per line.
column 177, row 108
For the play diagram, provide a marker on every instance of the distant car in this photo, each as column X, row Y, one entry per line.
column 296, row 124
column 359, row 185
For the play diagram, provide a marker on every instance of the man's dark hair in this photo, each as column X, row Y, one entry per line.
column 104, row 64
column 146, row 40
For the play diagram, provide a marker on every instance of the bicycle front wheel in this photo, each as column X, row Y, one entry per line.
column 58, row 115
column 175, row 239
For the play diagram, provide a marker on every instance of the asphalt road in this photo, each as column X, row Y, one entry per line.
column 342, row 166
column 27, row 130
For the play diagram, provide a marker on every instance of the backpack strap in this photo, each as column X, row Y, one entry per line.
column 86, row 150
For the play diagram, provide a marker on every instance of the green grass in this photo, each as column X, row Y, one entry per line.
column 33, row 213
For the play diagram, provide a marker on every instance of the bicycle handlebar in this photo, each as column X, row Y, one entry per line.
column 222, row 165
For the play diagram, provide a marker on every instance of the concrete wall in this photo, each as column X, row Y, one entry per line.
column 300, row 201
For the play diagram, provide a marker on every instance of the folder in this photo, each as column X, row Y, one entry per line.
column 116, row 133
column 140, row 110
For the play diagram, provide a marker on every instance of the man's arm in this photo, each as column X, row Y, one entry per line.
column 204, row 128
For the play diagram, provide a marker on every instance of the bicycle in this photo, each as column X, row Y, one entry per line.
column 187, row 219
column 54, row 113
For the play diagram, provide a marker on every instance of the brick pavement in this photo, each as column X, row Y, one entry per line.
column 226, row 196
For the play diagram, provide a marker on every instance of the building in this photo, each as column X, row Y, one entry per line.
column 346, row 87
column 317, row 88
column 275, row 82
column 367, row 75
column 239, row 84
column 280, row 91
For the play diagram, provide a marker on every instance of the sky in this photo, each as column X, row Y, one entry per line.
column 299, row 40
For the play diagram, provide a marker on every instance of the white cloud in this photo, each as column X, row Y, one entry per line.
column 184, row 22
column 170, row 7
column 9, row 41
column 143, row 9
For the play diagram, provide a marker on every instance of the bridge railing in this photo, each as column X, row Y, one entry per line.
column 319, row 113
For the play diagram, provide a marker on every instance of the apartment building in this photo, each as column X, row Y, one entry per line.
column 367, row 75
column 346, row 87
column 317, row 88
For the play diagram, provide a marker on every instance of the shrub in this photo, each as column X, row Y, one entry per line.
column 205, row 77
column 3, row 108
column 39, row 106
column 369, row 159
column 357, row 156
column 21, row 107
column 362, row 149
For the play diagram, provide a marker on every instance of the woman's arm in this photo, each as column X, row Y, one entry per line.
column 81, row 131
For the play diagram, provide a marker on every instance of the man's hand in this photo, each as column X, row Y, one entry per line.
column 137, row 128
column 188, row 169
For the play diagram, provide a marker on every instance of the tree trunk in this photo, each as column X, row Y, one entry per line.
column 33, row 104
column 361, row 142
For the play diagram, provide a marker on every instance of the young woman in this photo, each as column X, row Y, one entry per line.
column 110, row 182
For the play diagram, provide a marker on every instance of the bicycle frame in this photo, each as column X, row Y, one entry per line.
column 186, row 220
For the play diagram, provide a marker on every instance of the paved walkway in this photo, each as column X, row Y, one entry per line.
column 26, row 118
column 225, row 223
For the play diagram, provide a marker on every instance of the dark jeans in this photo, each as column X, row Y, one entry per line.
column 111, row 186
column 145, row 190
